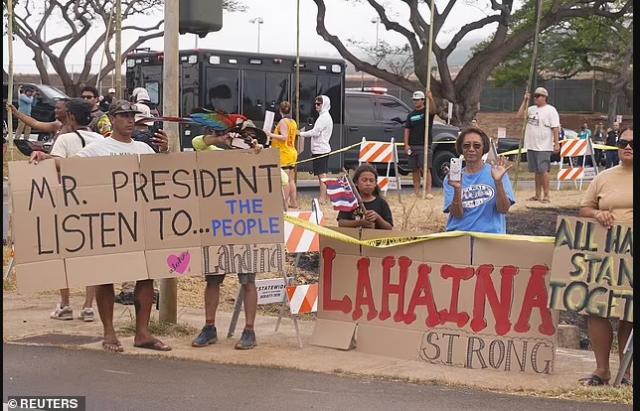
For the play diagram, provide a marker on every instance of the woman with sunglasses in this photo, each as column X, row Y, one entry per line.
column 483, row 197
column 609, row 199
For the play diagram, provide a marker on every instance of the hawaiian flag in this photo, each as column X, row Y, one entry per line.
column 341, row 194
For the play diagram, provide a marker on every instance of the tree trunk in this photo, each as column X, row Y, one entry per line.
column 619, row 85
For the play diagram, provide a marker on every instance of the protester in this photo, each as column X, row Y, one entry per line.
column 26, row 101
column 609, row 199
column 209, row 333
column 68, row 145
column 542, row 139
column 483, row 197
column 320, row 136
column 584, row 133
column 100, row 123
column 54, row 128
column 284, row 139
column 107, row 100
column 599, row 135
column 414, row 141
column 375, row 211
column 612, row 141
column 122, row 117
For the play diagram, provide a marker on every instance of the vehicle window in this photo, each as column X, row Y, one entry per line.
column 221, row 90
column 253, row 94
column 307, row 98
column 153, row 88
column 359, row 109
column 390, row 108
column 331, row 86
column 51, row 92
column 277, row 91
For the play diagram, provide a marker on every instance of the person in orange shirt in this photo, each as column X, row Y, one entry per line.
column 284, row 139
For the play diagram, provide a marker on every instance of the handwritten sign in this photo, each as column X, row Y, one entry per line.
column 593, row 269
column 172, row 208
column 429, row 302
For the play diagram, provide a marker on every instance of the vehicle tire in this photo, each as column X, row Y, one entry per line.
column 440, row 166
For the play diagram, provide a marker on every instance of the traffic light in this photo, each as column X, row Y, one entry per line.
column 200, row 17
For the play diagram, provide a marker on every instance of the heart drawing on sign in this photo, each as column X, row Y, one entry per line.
column 180, row 263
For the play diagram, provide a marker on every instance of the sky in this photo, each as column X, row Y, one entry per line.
column 278, row 32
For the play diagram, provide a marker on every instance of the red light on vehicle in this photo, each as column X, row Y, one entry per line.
column 379, row 90
column 277, row 61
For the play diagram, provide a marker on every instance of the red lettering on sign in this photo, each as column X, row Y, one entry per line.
column 486, row 291
column 536, row 297
column 458, row 275
column 344, row 305
column 423, row 295
column 398, row 289
column 364, row 292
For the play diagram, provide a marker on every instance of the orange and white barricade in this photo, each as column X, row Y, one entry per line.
column 303, row 299
column 382, row 153
column 299, row 240
column 577, row 151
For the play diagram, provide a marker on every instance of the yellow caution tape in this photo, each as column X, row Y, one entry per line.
column 398, row 241
column 524, row 150
column 342, row 150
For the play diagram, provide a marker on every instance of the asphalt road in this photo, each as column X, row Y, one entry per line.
column 128, row 383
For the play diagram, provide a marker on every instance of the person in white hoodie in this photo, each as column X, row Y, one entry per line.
column 320, row 135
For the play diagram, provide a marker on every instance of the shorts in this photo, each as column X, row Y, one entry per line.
column 539, row 161
column 320, row 165
column 416, row 160
column 244, row 279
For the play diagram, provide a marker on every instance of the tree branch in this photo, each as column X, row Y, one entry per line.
column 468, row 28
column 394, row 26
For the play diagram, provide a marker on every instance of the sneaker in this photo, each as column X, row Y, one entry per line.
column 208, row 335
column 86, row 315
column 248, row 340
column 62, row 313
column 124, row 298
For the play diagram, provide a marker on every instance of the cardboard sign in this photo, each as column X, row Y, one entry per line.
column 124, row 218
column 593, row 269
column 439, row 302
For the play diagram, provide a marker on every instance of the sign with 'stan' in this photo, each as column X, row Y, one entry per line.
column 440, row 301
column 123, row 218
column 593, row 269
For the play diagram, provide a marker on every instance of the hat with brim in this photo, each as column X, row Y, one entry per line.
column 123, row 107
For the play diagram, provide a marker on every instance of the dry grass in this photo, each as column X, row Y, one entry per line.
column 17, row 156
column 160, row 329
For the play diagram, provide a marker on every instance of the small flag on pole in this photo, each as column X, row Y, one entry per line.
column 341, row 194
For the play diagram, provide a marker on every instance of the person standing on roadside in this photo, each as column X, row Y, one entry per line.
column 541, row 140
column 27, row 100
column 415, row 128
column 612, row 141
column 320, row 136
column 100, row 123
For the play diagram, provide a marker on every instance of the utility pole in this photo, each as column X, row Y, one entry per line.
column 170, row 107
column 118, row 59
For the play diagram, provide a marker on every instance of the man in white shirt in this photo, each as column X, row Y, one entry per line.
column 68, row 145
column 320, row 135
column 542, row 139
column 122, row 115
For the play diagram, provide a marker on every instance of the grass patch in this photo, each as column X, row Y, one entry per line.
column 160, row 329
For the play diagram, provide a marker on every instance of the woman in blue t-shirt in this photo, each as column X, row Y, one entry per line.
column 480, row 202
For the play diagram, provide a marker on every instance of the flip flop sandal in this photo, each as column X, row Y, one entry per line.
column 593, row 381
column 546, row 200
column 112, row 346
column 626, row 383
column 156, row 345
column 533, row 199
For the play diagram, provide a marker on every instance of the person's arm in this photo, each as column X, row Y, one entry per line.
column 283, row 127
column 407, row 133
column 453, row 198
column 318, row 128
column 34, row 100
column 50, row 128
column 555, row 128
column 524, row 105
column 503, row 202
column 589, row 207
column 24, row 99
column 433, row 109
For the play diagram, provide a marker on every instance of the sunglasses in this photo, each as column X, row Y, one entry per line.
column 537, row 95
column 318, row 103
column 87, row 97
column 625, row 143
column 476, row 146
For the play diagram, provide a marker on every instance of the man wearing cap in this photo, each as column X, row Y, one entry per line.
column 107, row 100
column 541, row 140
column 414, row 140
column 26, row 101
column 122, row 116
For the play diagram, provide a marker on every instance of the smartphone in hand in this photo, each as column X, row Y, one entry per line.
column 455, row 170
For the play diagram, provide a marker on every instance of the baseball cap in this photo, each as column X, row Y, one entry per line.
column 111, row 90
column 144, row 111
column 419, row 95
column 122, row 107
column 541, row 91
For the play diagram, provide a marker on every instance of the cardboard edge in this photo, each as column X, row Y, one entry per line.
column 333, row 334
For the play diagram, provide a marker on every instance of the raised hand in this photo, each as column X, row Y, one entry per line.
column 499, row 168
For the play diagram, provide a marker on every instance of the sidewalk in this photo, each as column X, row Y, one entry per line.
column 27, row 316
